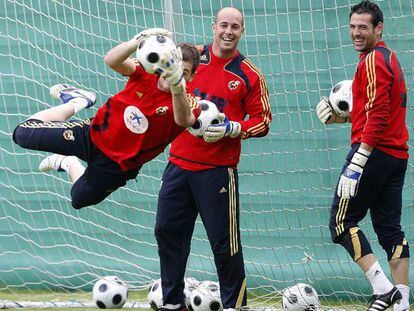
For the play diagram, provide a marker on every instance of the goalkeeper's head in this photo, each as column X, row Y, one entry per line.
column 191, row 60
column 228, row 28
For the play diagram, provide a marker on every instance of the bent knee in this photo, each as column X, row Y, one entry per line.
column 355, row 242
column 82, row 199
column 397, row 249
column 79, row 205
column 91, row 189
column 79, row 201
column 20, row 137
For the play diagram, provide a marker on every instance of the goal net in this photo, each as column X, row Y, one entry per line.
column 287, row 178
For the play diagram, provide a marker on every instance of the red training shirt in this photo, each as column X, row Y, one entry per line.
column 380, row 102
column 136, row 124
column 238, row 89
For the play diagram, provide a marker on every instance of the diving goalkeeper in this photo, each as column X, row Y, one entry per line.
column 130, row 129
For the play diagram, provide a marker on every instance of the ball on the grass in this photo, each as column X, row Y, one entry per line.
column 110, row 292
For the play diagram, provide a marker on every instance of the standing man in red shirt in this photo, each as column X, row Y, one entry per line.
column 201, row 176
column 373, row 175
column 130, row 129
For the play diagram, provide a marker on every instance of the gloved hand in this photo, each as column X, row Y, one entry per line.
column 327, row 114
column 215, row 132
column 137, row 39
column 171, row 69
column 349, row 180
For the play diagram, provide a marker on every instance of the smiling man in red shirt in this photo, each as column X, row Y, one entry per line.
column 373, row 175
column 201, row 176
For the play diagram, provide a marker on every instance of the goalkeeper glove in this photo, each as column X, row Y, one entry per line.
column 327, row 114
column 215, row 132
column 349, row 180
column 137, row 39
column 171, row 69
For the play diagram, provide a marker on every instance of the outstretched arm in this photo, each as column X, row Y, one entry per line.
column 171, row 69
column 183, row 109
column 118, row 57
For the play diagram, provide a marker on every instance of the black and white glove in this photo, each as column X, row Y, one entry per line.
column 327, row 114
column 349, row 180
column 215, row 132
column 137, row 39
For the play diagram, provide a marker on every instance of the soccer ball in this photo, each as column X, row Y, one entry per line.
column 206, row 297
column 152, row 49
column 155, row 295
column 209, row 115
column 300, row 297
column 189, row 285
column 341, row 98
column 110, row 292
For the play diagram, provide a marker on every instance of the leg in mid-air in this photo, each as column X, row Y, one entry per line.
column 73, row 100
column 58, row 162
column 50, row 131
column 47, row 131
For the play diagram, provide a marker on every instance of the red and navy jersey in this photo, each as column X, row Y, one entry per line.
column 136, row 124
column 380, row 103
column 238, row 89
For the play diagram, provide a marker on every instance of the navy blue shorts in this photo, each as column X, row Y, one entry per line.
column 102, row 175
column 380, row 192
column 184, row 194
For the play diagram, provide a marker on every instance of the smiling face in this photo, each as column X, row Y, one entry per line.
column 363, row 33
column 227, row 30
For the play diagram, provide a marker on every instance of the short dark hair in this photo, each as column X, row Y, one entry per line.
column 371, row 8
column 190, row 54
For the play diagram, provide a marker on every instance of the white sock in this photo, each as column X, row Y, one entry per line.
column 78, row 104
column 405, row 301
column 379, row 281
column 67, row 162
column 171, row 306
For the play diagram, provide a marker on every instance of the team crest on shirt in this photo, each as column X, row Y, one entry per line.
column 135, row 120
column 233, row 85
column 161, row 110
column 68, row 135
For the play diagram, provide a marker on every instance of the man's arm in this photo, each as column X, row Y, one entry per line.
column 257, row 107
column 118, row 57
column 171, row 69
column 183, row 109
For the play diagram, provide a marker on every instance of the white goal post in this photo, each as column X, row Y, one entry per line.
column 287, row 178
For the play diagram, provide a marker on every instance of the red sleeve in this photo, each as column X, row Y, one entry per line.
column 378, row 89
column 137, row 73
column 257, row 105
column 195, row 107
